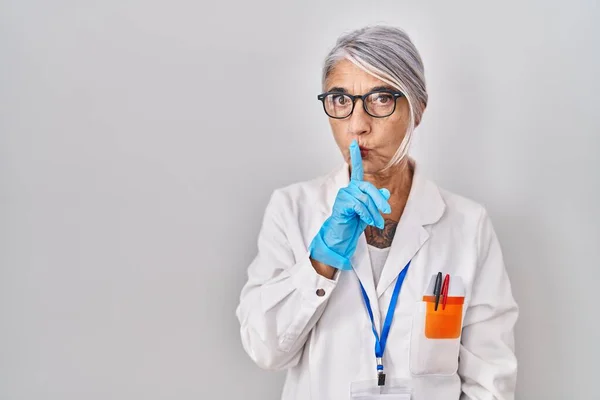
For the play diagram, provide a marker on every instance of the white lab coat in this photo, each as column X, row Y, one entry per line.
column 325, row 342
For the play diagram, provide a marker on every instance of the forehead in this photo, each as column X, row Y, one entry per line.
column 350, row 77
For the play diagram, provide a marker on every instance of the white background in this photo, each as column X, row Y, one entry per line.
column 140, row 141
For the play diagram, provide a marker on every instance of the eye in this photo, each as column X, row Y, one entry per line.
column 340, row 99
column 382, row 98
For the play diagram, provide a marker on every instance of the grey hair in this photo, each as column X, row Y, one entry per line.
column 388, row 54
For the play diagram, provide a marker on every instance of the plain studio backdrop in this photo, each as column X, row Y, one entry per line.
column 140, row 142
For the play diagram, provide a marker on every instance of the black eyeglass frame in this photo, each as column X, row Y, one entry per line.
column 321, row 97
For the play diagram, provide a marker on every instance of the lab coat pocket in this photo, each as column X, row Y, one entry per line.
column 435, row 340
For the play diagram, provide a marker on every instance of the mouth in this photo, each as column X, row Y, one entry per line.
column 363, row 151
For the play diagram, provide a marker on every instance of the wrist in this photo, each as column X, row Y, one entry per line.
column 324, row 270
column 321, row 253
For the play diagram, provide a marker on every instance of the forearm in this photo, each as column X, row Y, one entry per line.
column 277, row 315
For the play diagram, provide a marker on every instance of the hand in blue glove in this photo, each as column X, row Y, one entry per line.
column 357, row 205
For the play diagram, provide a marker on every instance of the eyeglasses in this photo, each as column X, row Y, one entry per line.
column 378, row 103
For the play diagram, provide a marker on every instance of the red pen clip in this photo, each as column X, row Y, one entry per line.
column 445, row 288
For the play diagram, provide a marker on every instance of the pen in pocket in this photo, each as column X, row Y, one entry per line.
column 445, row 288
column 437, row 289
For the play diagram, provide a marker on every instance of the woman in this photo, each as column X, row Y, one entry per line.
column 372, row 279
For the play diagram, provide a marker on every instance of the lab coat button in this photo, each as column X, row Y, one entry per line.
column 320, row 292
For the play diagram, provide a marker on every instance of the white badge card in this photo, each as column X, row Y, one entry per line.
column 394, row 389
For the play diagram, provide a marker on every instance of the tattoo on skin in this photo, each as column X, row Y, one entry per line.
column 382, row 238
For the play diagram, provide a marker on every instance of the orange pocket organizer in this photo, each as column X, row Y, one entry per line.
column 443, row 323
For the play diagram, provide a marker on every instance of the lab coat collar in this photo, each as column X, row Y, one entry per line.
column 425, row 206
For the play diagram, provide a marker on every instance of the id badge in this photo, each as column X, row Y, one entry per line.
column 394, row 389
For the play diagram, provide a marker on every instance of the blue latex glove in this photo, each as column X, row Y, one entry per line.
column 357, row 205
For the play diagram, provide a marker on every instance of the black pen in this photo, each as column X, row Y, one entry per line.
column 437, row 290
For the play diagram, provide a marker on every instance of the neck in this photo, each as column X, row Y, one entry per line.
column 397, row 179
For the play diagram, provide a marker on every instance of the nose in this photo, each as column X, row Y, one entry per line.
column 359, row 122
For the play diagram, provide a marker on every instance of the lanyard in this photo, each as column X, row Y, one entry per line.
column 381, row 342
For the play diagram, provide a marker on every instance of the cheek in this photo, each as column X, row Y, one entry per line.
column 392, row 130
column 341, row 137
column 338, row 130
column 398, row 123
column 401, row 115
